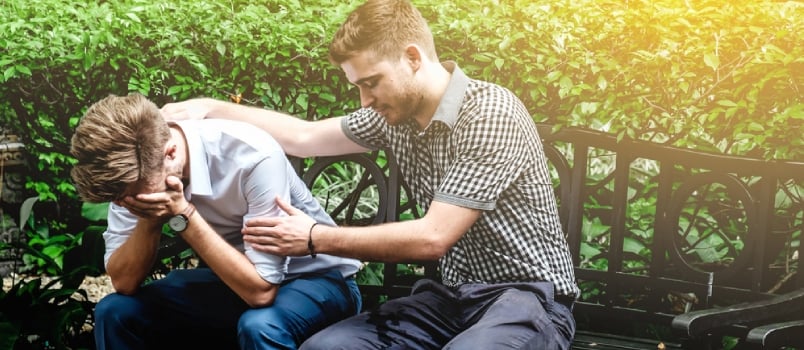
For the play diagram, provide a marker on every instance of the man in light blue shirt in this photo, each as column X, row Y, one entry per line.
column 204, row 179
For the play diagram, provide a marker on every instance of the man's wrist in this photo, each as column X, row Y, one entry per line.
column 310, row 245
column 189, row 210
column 179, row 222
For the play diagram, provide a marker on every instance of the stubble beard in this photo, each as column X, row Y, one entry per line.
column 408, row 106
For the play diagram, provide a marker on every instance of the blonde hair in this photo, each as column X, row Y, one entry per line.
column 383, row 27
column 119, row 141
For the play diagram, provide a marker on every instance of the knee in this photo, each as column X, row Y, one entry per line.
column 117, row 311
column 256, row 329
column 326, row 339
column 114, row 306
column 249, row 325
column 315, row 343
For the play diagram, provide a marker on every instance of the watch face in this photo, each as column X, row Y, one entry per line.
column 178, row 223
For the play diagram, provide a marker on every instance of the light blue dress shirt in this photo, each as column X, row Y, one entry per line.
column 236, row 172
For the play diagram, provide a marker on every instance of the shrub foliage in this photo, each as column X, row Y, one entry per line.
column 709, row 75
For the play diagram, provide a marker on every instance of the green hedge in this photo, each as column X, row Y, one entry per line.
column 706, row 74
column 702, row 74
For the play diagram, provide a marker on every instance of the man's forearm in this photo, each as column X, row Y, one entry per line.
column 232, row 266
column 132, row 262
column 286, row 129
column 391, row 242
column 298, row 137
column 427, row 238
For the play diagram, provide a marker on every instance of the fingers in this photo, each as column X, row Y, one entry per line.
column 268, row 221
column 262, row 244
column 263, row 238
column 254, row 225
column 147, row 206
column 280, row 235
column 287, row 208
column 175, row 111
column 273, row 240
column 136, row 211
column 186, row 110
column 158, row 204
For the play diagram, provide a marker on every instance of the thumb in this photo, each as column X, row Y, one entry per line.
column 174, row 183
column 287, row 208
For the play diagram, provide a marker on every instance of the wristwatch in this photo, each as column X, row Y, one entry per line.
column 178, row 223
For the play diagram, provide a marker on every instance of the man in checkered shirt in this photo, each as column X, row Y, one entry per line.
column 471, row 155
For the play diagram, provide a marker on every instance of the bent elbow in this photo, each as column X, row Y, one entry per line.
column 125, row 288
column 297, row 145
column 261, row 297
column 435, row 249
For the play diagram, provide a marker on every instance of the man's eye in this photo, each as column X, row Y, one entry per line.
column 371, row 84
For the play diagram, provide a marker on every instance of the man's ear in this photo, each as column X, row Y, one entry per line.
column 170, row 151
column 413, row 55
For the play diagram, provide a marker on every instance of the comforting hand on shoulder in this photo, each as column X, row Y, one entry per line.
column 194, row 109
column 284, row 236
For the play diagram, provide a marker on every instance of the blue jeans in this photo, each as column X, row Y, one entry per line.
column 194, row 308
column 471, row 316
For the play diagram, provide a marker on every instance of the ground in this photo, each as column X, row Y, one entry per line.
column 96, row 287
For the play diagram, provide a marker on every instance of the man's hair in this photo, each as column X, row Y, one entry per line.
column 383, row 27
column 118, row 141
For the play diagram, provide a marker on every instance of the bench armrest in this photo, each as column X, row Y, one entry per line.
column 777, row 335
column 694, row 324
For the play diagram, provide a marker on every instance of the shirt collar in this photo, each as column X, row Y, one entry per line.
column 451, row 102
column 200, row 183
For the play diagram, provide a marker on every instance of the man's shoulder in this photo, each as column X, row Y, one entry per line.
column 234, row 132
column 486, row 99
column 482, row 89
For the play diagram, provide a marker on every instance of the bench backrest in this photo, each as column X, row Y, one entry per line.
column 657, row 231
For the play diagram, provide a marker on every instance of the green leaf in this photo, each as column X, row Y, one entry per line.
column 221, row 48
column 631, row 245
column 712, row 61
column 588, row 251
column 499, row 62
column 755, row 127
column 602, row 83
column 23, row 69
column 133, row 17
column 8, row 73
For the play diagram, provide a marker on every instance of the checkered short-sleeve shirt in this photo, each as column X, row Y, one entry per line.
column 481, row 151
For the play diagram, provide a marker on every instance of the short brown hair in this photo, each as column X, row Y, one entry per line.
column 384, row 27
column 119, row 141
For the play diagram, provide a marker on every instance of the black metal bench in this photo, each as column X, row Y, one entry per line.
column 721, row 236
column 673, row 248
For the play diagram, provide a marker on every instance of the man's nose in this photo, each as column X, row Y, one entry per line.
column 366, row 98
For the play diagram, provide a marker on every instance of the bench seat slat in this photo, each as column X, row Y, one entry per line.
column 585, row 340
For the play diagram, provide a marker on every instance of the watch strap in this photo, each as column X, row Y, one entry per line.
column 188, row 211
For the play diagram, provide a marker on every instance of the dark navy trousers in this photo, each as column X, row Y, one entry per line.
column 194, row 308
column 471, row 316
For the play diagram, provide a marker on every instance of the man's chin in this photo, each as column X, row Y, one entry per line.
column 393, row 122
column 392, row 119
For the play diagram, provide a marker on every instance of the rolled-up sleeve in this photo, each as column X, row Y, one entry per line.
column 120, row 225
